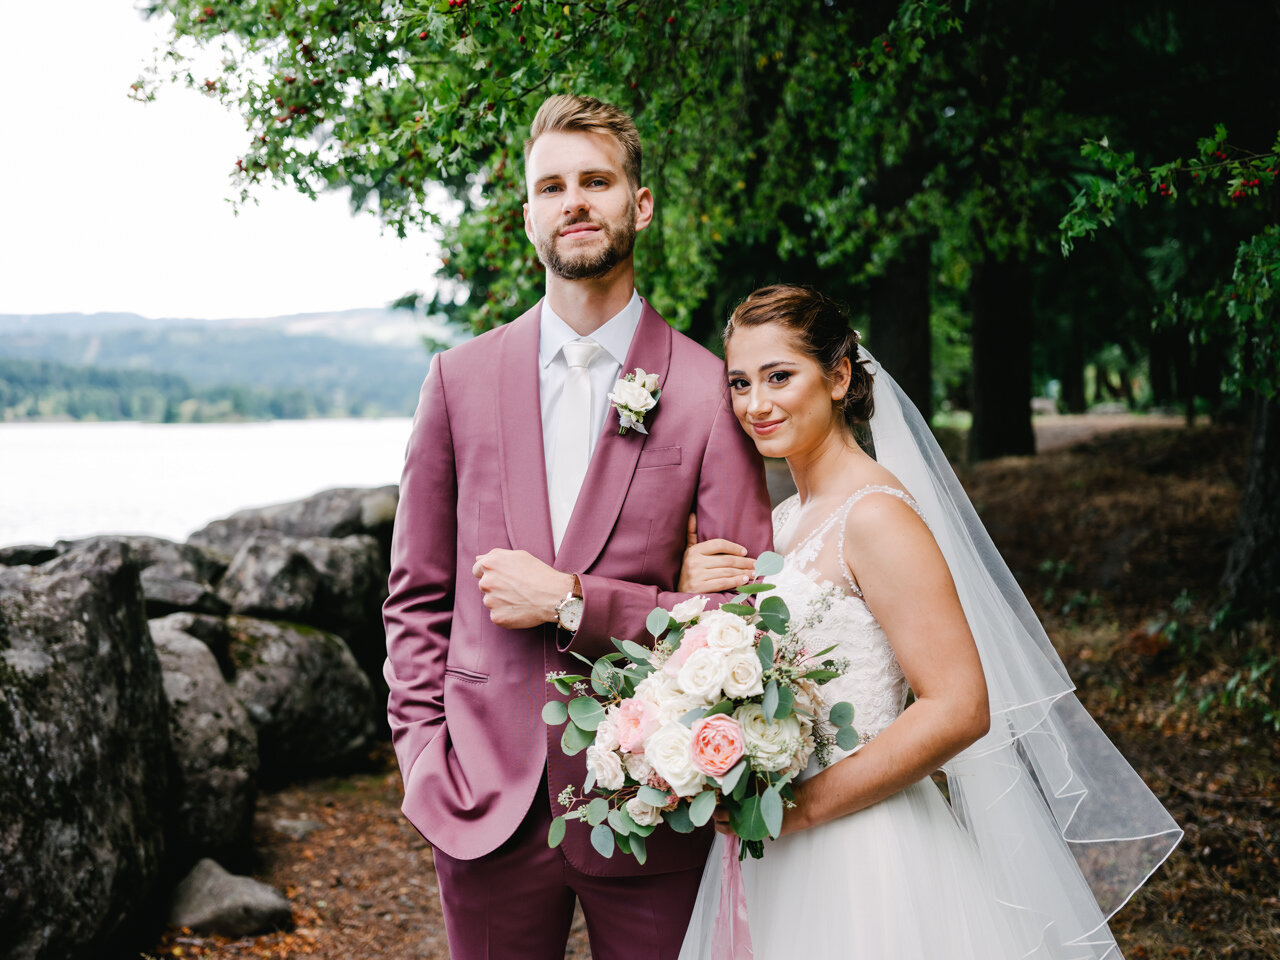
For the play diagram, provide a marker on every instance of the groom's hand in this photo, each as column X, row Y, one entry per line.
column 519, row 589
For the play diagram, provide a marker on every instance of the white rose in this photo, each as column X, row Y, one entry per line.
column 632, row 395
column 638, row 767
column 770, row 743
column 643, row 813
column 728, row 632
column 673, row 708
column 809, row 699
column 686, row 610
column 668, row 751
column 703, row 673
column 647, row 380
column 744, row 678
column 606, row 765
column 657, row 687
column 801, row 760
column 607, row 732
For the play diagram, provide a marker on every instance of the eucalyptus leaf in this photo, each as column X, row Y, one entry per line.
column 770, row 703
column 747, row 589
column 575, row 653
column 574, row 739
column 846, row 738
column 638, row 848
column 597, row 811
column 620, row 822
column 747, row 820
column 678, row 819
column 739, row 609
column 690, row 717
column 774, row 614
column 603, row 678
column 730, row 779
column 602, row 840
column 623, row 841
column 740, row 788
column 768, row 563
column 771, row 810
column 821, row 675
column 765, row 652
column 701, row 807
column 586, row 712
column 724, row 706
column 563, row 687
column 554, row 712
column 841, row 714
column 786, row 700
column 636, row 652
column 555, row 833
column 657, row 622
column 652, row 796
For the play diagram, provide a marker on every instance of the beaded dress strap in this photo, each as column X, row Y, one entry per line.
column 843, row 512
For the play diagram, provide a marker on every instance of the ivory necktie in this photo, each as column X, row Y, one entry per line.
column 572, row 451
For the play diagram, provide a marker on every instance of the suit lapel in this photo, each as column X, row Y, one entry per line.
column 522, row 461
column 604, row 489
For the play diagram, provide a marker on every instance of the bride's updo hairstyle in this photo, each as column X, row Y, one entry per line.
column 820, row 329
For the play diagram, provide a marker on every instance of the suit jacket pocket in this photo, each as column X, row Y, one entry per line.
column 658, row 457
column 467, row 676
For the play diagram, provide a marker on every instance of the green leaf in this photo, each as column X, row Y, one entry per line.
column 597, row 811
column 638, row 849
column 768, row 563
column 747, row 820
column 555, row 834
column 770, row 702
column 652, row 796
column 637, row 653
column 657, row 622
column 765, row 652
column 821, row 653
column 555, row 712
column 846, row 738
column 690, row 717
column 574, row 739
column 602, row 839
column 678, row 819
column 748, row 589
column 575, row 653
column 603, row 678
column 738, row 609
column 841, row 714
column 563, row 687
column 620, row 822
column 624, row 842
column 774, row 614
column 586, row 712
column 821, row 675
column 724, row 706
column 771, row 811
column 701, row 807
column 786, row 700
column 730, row 780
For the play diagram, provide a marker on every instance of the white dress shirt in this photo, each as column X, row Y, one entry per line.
column 614, row 336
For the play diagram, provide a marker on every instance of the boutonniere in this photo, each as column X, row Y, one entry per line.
column 633, row 396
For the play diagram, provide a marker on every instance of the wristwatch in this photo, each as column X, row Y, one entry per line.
column 569, row 610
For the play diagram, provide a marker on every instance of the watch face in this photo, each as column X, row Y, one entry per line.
column 571, row 613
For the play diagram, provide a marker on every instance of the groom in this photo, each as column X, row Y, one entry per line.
column 529, row 525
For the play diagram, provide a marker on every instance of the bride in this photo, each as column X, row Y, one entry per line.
column 1046, row 830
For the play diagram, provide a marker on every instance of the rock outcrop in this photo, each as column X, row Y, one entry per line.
column 211, row 900
column 83, row 753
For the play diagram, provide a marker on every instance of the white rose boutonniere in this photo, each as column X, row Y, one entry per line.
column 634, row 396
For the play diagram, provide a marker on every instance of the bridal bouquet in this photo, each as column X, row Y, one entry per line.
column 725, row 709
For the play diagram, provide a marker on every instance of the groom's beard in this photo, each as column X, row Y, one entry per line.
column 588, row 265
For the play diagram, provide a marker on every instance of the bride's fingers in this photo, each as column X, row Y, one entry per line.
column 717, row 586
column 722, row 546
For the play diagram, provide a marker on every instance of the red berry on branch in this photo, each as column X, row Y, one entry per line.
column 422, row 35
column 633, row 84
column 290, row 79
column 557, row 35
column 671, row 19
column 208, row 11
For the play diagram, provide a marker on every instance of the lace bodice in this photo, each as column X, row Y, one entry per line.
column 827, row 609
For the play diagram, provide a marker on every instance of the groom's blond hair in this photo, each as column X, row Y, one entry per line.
column 568, row 113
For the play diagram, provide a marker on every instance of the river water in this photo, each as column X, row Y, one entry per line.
column 67, row 480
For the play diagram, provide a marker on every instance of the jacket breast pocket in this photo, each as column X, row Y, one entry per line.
column 658, row 457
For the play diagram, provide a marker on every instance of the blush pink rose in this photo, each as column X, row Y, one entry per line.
column 635, row 720
column 692, row 641
column 717, row 744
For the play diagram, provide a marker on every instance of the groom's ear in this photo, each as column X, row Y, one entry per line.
column 527, row 231
column 644, row 208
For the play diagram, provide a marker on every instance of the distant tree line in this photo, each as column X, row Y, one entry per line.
column 31, row 390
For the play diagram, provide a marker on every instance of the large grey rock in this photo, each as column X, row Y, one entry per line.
column 26, row 554
column 83, row 754
column 335, row 513
column 335, row 584
column 215, row 747
column 212, row 901
column 175, row 576
column 305, row 694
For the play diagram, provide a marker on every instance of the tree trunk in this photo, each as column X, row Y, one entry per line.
column 1072, row 371
column 1001, row 295
column 1252, row 578
column 900, row 337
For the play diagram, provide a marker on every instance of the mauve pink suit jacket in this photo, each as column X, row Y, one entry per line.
column 466, row 696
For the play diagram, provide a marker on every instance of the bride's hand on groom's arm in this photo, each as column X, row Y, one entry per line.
column 519, row 589
column 713, row 566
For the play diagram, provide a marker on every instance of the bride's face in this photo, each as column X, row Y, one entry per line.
column 781, row 395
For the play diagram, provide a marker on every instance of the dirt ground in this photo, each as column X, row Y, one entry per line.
column 1105, row 530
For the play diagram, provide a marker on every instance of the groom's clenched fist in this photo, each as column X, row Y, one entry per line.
column 519, row 589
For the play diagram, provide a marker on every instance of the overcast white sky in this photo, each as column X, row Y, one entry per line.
column 114, row 205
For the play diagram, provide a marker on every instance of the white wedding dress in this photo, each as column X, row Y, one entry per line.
column 900, row 880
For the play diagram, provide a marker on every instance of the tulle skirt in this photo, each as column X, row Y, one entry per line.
column 900, row 880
